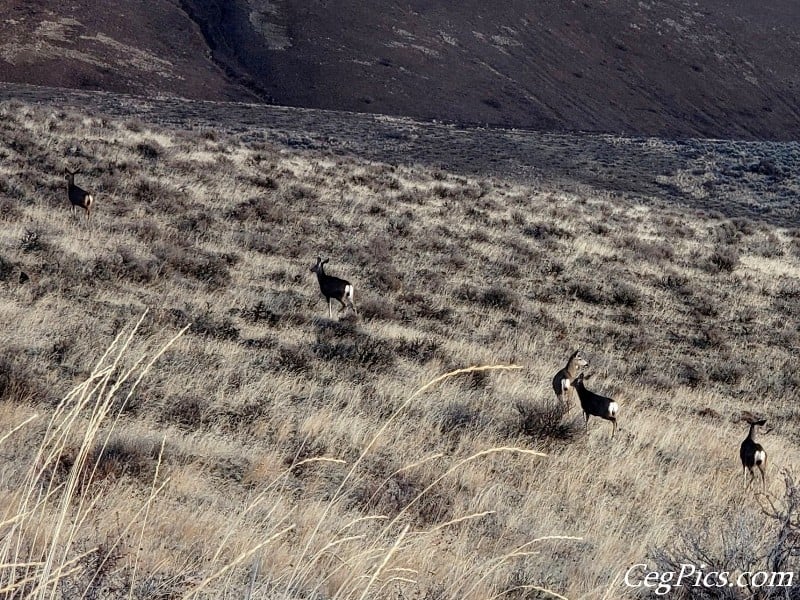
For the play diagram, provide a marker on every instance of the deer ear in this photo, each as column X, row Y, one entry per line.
column 589, row 376
column 325, row 261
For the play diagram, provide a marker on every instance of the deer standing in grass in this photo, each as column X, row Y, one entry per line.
column 78, row 196
column 333, row 288
column 752, row 453
column 562, row 381
column 596, row 405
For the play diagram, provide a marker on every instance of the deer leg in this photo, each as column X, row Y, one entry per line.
column 330, row 309
column 586, row 416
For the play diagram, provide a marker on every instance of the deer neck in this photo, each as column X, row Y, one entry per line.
column 752, row 436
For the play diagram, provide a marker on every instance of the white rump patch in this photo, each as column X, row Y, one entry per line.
column 760, row 456
column 348, row 291
column 613, row 407
column 565, row 384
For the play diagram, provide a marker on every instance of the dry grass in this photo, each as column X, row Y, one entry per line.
column 274, row 453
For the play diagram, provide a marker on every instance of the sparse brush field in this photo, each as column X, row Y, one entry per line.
column 269, row 452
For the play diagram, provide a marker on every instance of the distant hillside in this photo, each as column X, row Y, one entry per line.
column 145, row 48
column 718, row 69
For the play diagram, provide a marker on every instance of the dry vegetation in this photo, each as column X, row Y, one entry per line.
column 271, row 453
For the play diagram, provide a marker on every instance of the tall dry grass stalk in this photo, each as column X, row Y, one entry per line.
column 339, row 492
column 376, row 553
column 44, row 522
column 46, row 514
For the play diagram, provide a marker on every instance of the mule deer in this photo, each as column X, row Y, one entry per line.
column 752, row 453
column 333, row 288
column 78, row 196
column 562, row 381
column 596, row 405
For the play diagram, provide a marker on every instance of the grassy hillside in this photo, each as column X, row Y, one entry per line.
column 274, row 452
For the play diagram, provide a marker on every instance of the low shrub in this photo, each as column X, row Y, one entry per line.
column 544, row 420
column 500, row 298
column 754, row 541
column 458, row 416
column 420, row 350
column 185, row 411
column 722, row 259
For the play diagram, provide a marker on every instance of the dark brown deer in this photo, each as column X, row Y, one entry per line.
column 562, row 381
column 753, row 454
column 78, row 197
column 596, row 405
column 333, row 288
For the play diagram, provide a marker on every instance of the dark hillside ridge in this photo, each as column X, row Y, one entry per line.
column 719, row 69
column 131, row 46
column 726, row 69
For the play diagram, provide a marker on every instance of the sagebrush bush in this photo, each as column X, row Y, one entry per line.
column 149, row 150
column 122, row 455
column 214, row 326
column 190, row 411
column 753, row 540
column 379, row 309
column 724, row 259
column 458, row 416
column 348, row 347
column 210, row 268
column 543, row 420
column 545, row 231
column 420, row 350
column 500, row 298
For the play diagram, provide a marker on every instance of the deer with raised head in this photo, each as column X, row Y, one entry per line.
column 753, row 454
column 333, row 288
column 78, row 197
column 562, row 381
column 596, row 405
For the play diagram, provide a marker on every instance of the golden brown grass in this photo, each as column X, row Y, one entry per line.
column 272, row 452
